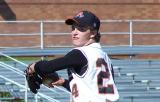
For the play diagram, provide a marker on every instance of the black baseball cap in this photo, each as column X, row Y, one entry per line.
column 85, row 19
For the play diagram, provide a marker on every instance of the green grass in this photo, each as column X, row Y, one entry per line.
column 19, row 58
column 8, row 95
column 5, row 94
column 23, row 58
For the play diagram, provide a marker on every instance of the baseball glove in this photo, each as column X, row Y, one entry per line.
column 34, row 81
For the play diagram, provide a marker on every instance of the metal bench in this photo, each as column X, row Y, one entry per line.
column 115, row 50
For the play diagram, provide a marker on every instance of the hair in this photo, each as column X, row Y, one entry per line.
column 97, row 36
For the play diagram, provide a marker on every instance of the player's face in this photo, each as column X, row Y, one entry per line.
column 80, row 35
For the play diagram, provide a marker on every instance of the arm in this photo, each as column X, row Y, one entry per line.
column 74, row 59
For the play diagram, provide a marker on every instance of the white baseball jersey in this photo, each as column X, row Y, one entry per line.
column 96, row 84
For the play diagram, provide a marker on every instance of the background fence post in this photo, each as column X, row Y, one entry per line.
column 131, row 33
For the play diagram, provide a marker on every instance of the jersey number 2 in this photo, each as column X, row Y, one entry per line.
column 75, row 90
column 103, row 74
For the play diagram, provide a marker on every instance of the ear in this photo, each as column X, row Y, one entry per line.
column 92, row 36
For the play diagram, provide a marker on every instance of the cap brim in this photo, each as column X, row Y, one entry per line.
column 71, row 21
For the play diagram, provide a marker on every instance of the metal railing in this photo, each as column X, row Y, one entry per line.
column 41, row 30
column 25, row 87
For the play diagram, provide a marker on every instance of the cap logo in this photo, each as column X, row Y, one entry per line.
column 80, row 15
column 94, row 24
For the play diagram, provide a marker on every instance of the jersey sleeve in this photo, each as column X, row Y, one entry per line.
column 74, row 59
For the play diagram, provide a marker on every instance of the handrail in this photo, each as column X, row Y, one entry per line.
column 21, row 73
column 14, row 59
column 41, row 33
column 62, row 21
column 22, row 86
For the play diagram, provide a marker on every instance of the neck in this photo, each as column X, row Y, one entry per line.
column 89, row 42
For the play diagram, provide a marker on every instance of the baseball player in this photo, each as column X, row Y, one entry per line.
column 89, row 67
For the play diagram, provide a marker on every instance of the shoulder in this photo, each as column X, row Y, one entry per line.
column 74, row 52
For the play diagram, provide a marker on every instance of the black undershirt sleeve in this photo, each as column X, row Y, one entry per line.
column 66, row 84
column 74, row 59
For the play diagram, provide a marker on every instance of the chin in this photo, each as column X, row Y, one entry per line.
column 78, row 44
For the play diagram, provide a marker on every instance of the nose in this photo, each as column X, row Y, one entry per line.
column 74, row 32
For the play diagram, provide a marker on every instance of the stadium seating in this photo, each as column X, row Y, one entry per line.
column 137, row 79
column 18, row 92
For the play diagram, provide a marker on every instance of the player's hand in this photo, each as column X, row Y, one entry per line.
column 59, row 82
column 31, row 69
column 33, row 79
column 48, row 79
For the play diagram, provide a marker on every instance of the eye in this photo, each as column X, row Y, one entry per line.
column 73, row 27
column 81, row 29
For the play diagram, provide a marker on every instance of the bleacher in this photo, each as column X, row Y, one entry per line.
column 136, row 75
column 137, row 79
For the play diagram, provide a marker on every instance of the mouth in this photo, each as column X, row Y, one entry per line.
column 75, row 38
